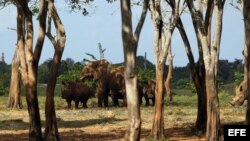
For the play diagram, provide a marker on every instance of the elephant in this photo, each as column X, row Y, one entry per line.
column 149, row 92
column 122, row 95
column 116, row 95
column 240, row 94
column 77, row 92
column 109, row 80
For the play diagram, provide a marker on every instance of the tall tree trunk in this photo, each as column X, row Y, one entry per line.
column 246, row 10
column 213, row 109
column 200, row 84
column 158, row 121
column 130, row 43
column 51, row 130
column 162, row 42
column 210, row 56
column 31, row 87
column 27, row 68
column 197, row 72
column 157, row 130
column 15, row 100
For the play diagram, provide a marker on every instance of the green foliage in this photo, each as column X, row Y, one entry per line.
column 145, row 75
column 181, row 77
column 4, row 78
column 43, row 73
column 69, row 76
column 191, row 87
column 71, row 71
column 180, row 83
column 238, row 77
column 3, row 90
column 68, row 70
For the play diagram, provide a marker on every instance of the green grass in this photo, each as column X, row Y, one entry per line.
column 182, row 98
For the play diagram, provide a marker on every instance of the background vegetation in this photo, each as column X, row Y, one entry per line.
column 228, row 73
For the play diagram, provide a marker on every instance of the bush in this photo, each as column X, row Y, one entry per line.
column 3, row 90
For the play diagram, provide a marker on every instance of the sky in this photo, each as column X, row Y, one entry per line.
column 103, row 25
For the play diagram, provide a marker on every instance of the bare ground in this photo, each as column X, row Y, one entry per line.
column 110, row 124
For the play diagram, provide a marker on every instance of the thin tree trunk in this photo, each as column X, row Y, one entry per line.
column 162, row 42
column 170, row 74
column 246, row 10
column 27, row 68
column 15, row 100
column 210, row 56
column 197, row 73
column 213, row 113
column 130, row 43
column 51, row 130
column 158, row 121
column 31, row 87
column 157, row 130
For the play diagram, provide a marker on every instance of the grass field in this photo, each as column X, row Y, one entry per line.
column 111, row 123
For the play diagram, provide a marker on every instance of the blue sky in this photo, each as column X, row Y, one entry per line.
column 104, row 25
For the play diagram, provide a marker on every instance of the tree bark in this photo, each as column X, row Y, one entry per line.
column 162, row 42
column 15, row 100
column 157, row 130
column 27, row 68
column 51, row 130
column 197, row 72
column 246, row 10
column 169, row 76
column 210, row 56
column 130, row 43
column 158, row 121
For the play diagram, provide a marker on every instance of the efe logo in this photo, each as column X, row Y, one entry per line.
column 236, row 132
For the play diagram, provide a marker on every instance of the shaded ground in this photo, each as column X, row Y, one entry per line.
column 93, row 125
column 110, row 124
column 173, row 134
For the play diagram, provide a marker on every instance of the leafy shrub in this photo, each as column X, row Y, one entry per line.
column 145, row 75
column 3, row 90
column 238, row 77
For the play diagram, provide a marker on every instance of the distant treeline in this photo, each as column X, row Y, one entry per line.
column 229, row 72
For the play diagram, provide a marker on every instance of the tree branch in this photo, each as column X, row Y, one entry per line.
column 42, row 15
column 49, row 35
column 208, row 19
column 141, row 21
